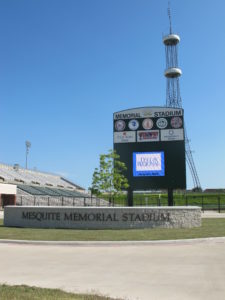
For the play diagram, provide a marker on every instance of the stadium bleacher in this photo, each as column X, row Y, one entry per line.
column 40, row 188
column 15, row 174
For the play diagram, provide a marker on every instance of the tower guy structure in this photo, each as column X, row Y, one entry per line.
column 173, row 98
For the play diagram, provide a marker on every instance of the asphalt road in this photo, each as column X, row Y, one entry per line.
column 157, row 271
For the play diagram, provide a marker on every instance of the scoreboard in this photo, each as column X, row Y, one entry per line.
column 151, row 142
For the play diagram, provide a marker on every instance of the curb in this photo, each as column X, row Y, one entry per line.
column 113, row 243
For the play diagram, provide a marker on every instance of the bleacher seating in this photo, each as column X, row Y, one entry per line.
column 39, row 188
column 28, row 195
column 30, row 190
column 46, row 191
column 18, row 175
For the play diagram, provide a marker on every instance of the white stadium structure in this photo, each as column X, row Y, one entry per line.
column 19, row 186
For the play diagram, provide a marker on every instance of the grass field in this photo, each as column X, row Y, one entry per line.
column 209, row 228
column 24, row 292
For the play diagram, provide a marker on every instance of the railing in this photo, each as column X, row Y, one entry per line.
column 206, row 202
column 29, row 200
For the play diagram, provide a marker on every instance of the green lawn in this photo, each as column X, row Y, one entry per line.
column 209, row 228
column 18, row 292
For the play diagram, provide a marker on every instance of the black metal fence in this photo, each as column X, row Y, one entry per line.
column 205, row 201
column 28, row 200
column 214, row 202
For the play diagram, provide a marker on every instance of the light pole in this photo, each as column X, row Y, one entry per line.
column 28, row 145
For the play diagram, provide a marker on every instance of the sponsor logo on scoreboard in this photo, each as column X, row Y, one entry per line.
column 161, row 123
column 120, row 125
column 172, row 135
column 125, row 137
column 148, row 136
column 147, row 124
column 147, row 113
column 133, row 124
column 176, row 122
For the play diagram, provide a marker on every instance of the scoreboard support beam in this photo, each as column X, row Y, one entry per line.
column 170, row 197
column 130, row 201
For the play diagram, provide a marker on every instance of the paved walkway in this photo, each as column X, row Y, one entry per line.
column 212, row 214
column 170, row 271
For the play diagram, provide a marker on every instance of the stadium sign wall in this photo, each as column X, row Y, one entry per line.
column 102, row 217
column 145, row 132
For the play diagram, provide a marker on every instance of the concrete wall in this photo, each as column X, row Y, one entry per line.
column 8, row 189
column 102, row 217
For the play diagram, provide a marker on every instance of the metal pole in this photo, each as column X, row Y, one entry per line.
column 170, row 197
column 26, row 158
column 219, row 204
column 130, row 201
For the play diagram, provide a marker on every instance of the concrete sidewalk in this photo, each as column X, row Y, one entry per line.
column 158, row 272
column 212, row 214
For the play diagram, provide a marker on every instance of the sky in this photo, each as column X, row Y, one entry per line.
column 67, row 66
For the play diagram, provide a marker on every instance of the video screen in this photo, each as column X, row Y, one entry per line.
column 148, row 164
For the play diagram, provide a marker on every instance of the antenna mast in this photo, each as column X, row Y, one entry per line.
column 173, row 98
column 169, row 15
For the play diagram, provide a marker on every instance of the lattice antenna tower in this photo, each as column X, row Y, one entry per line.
column 173, row 98
column 172, row 71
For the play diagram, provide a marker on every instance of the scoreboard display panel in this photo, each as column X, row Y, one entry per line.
column 148, row 164
column 151, row 142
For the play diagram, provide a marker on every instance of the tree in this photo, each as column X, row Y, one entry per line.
column 109, row 178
